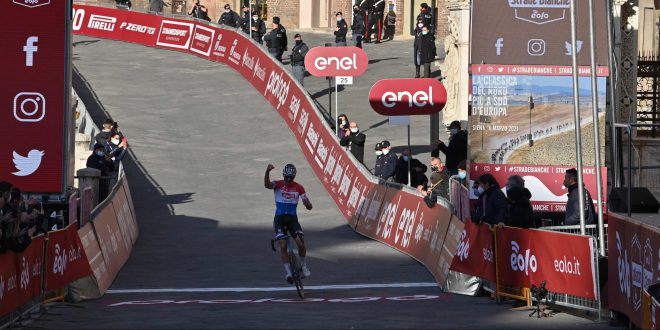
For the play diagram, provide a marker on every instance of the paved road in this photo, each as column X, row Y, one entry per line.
column 200, row 140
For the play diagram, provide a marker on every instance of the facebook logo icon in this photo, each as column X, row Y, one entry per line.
column 499, row 43
column 30, row 49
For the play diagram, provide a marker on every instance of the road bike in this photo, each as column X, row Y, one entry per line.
column 296, row 271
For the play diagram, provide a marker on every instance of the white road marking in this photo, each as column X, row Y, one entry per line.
column 276, row 289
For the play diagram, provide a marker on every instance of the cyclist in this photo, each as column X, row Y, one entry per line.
column 287, row 192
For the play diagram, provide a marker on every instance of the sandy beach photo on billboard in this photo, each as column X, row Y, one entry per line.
column 530, row 119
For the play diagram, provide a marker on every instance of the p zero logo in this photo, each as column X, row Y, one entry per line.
column 404, row 97
column 336, row 61
column 202, row 40
column 174, row 34
column 104, row 23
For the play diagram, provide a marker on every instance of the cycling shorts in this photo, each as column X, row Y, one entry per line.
column 286, row 223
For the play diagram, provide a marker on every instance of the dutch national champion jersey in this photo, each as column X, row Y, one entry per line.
column 286, row 197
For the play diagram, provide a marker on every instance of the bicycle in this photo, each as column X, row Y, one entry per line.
column 293, row 260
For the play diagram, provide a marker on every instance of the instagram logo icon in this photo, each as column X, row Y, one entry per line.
column 29, row 107
column 536, row 47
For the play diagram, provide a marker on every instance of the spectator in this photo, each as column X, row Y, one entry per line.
column 97, row 159
column 379, row 153
column 521, row 214
column 341, row 30
column 342, row 125
column 572, row 216
column 258, row 28
column 244, row 22
column 439, row 185
column 390, row 23
column 418, row 37
column 456, row 151
column 377, row 11
column 156, row 6
column 125, row 3
column 462, row 171
column 276, row 40
column 229, row 17
column 298, row 58
column 491, row 206
column 417, row 170
column 199, row 11
column 365, row 7
column 517, row 181
column 357, row 26
column 103, row 136
column 115, row 149
column 354, row 140
column 426, row 16
column 424, row 52
column 386, row 165
column 5, row 188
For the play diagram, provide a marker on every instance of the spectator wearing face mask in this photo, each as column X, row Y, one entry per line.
column 424, row 52
column 97, row 159
column 258, row 28
column 354, row 140
column 229, row 17
column 342, row 125
column 298, row 54
column 521, row 213
column 437, row 186
column 386, row 165
column 115, row 149
column 340, row 30
column 426, row 17
column 379, row 153
column 517, row 181
column 462, row 171
column 492, row 207
column 456, row 151
column 417, row 170
column 358, row 26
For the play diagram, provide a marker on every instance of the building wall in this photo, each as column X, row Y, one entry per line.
column 287, row 10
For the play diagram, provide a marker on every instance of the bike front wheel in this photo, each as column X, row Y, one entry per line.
column 295, row 269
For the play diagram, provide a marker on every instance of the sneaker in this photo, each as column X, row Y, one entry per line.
column 289, row 279
column 305, row 271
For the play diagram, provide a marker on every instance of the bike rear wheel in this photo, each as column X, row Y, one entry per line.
column 295, row 270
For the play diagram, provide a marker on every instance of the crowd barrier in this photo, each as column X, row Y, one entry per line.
column 633, row 266
column 394, row 215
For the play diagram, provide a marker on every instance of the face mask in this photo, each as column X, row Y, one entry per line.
column 420, row 25
column 406, row 158
column 435, row 169
column 100, row 153
column 462, row 175
column 453, row 131
column 480, row 190
column 226, row 10
column 355, row 10
column 425, row 33
column 298, row 42
column 115, row 141
column 338, row 18
column 255, row 17
column 379, row 153
column 354, row 130
column 386, row 151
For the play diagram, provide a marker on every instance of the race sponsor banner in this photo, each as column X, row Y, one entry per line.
column 202, row 40
column 115, row 24
column 20, row 275
column 406, row 97
column 534, row 32
column 565, row 261
column 336, row 61
column 94, row 255
column 543, row 70
column 35, row 82
column 66, row 260
column 114, row 245
column 124, row 219
column 174, row 34
column 475, row 254
column 544, row 181
column 633, row 264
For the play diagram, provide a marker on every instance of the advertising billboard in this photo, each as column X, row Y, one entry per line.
column 34, row 94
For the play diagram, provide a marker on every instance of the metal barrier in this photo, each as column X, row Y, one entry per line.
column 507, row 291
column 592, row 230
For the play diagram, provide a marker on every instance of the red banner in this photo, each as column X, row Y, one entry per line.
column 66, row 260
column 632, row 264
column 336, row 61
column 20, row 276
column 475, row 254
column 407, row 97
column 565, row 261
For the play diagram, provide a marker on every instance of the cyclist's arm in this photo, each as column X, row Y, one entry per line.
column 267, row 183
column 306, row 202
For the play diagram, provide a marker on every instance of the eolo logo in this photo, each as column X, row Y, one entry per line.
column 463, row 249
column 522, row 261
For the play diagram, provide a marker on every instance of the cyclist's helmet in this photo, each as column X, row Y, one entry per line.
column 289, row 170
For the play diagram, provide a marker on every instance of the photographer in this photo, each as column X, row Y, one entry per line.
column 115, row 149
column 354, row 140
column 199, row 11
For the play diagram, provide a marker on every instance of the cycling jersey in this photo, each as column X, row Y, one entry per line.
column 286, row 197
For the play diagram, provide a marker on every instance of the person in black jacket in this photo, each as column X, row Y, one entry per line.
column 341, row 30
column 276, row 40
column 366, row 9
column 244, row 23
column 424, row 52
column 342, row 125
column 377, row 12
column 354, row 140
column 258, row 28
column 229, row 17
column 426, row 16
column 357, row 26
column 572, row 216
column 98, row 160
column 417, row 170
column 199, row 11
column 456, row 151
column 521, row 214
column 298, row 58
column 438, row 186
column 492, row 207
column 386, row 164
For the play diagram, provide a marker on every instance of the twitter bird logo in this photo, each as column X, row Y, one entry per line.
column 27, row 165
column 569, row 47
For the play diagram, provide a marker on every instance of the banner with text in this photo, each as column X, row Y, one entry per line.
column 20, row 275
column 66, row 260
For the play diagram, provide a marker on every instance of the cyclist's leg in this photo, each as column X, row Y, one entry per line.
column 298, row 234
column 280, row 230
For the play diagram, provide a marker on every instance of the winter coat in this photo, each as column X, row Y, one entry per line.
column 492, row 207
column 456, row 151
column 340, row 35
column 572, row 216
column 401, row 172
column 355, row 143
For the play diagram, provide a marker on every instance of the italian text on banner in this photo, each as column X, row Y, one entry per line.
column 475, row 254
column 20, row 276
column 564, row 261
column 66, row 260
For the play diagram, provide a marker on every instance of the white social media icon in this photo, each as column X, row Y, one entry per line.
column 569, row 47
column 27, row 165
column 536, row 47
column 30, row 48
column 29, row 106
column 499, row 44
